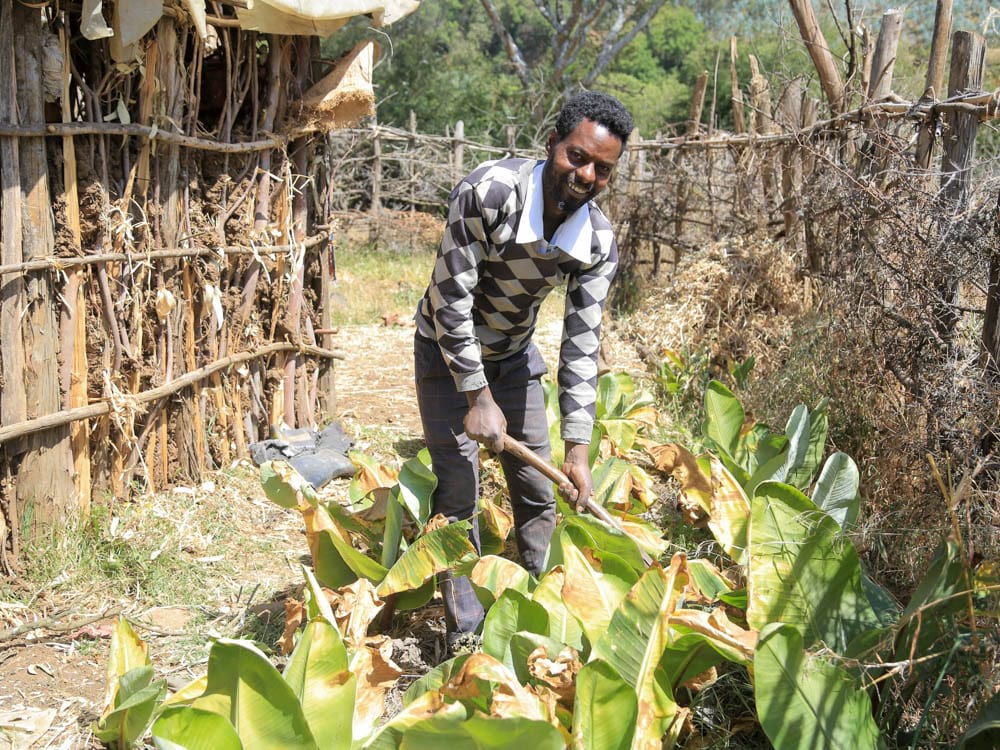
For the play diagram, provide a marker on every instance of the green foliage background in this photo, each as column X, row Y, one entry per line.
column 445, row 63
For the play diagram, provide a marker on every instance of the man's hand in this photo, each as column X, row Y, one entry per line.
column 577, row 468
column 485, row 423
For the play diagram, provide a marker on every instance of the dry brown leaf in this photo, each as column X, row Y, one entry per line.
column 701, row 681
column 497, row 518
column 369, row 478
column 696, row 488
column 295, row 614
column 355, row 606
column 377, row 674
column 559, row 674
column 436, row 522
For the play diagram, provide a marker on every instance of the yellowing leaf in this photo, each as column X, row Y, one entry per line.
column 559, row 673
column 354, row 607
column 127, row 652
column 497, row 574
column 729, row 512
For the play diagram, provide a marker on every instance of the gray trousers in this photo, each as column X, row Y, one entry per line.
column 516, row 386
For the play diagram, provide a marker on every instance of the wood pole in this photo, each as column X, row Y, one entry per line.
column 884, row 59
column 697, row 104
column 761, row 123
column 990, row 343
column 739, row 124
column 376, row 205
column 13, row 400
column 790, row 112
column 328, row 381
column 458, row 153
column 935, row 79
column 511, row 140
column 45, row 486
column 968, row 61
column 411, row 168
column 819, row 51
column 74, row 349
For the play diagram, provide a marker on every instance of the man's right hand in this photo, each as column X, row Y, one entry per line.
column 485, row 423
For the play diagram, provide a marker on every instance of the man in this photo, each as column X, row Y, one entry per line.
column 516, row 229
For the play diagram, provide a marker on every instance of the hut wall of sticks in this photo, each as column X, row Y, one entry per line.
column 164, row 281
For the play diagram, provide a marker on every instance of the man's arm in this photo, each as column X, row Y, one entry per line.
column 586, row 295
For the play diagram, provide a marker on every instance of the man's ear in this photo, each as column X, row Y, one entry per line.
column 553, row 140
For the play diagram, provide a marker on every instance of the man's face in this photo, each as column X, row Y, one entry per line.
column 578, row 168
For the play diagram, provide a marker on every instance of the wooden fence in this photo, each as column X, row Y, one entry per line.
column 165, row 283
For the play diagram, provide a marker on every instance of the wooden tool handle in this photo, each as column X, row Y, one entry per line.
column 520, row 451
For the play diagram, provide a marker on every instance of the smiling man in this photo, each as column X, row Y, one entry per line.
column 516, row 229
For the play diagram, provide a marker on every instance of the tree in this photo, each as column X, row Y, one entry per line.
column 585, row 38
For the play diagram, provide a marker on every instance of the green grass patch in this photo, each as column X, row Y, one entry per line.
column 376, row 282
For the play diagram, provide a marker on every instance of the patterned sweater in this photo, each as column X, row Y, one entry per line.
column 493, row 270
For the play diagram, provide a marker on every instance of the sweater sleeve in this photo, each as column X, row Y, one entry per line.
column 453, row 282
column 586, row 295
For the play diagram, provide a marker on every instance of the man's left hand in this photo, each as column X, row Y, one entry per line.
column 577, row 468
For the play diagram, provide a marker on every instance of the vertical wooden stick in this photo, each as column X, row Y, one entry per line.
column 739, row 124
column 819, row 51
column 458, row 153
column 935, row 78
column 884, row 59
column 697, row 104
column 191, row 364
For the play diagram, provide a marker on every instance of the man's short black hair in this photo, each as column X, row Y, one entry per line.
column 599, row 107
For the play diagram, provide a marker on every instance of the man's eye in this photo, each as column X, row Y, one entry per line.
column 604, row 171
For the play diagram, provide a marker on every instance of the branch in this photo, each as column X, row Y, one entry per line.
column 513, row 51
column 614, row 43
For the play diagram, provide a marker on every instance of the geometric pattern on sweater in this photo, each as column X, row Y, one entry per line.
column 486, row 289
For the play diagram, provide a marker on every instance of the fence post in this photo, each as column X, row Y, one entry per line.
column 968, row 59
column 411, row 169
column 376, row 169
column 935, row 79
column 512, row 140
column 884, row 59
column 697, row 104
column 762, row 124
column 819, row 51
column 458, row 153
column 739, row 125
column 790, row 111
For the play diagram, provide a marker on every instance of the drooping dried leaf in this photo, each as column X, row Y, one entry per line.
column 376, row 672
column 696, row 488
column 718, row 627
column 437, row 521
column 498, row 519
column 354, row 607
column 702, row 681
column 509, row 698
column 295, row 613
column 728, row 512
column 559, row 673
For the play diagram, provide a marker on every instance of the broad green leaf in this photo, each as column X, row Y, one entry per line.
column 482, row 733
column 805, row 702
column 135, row 701
column 392, row 536
column 728, row 512
column 605, row 710
column 434, row 678
column 416, row 485
column 594, row 584
column 490, row 576
column 244, row 687
column 329, row 565
column 634, row 642
column 819, row 425
column 689, row 655
column 186, row 728
column 836, row 490
column 285, row 486
column 512, row 612
column 797, row 434
column 724, row 417
column 422, row 708
column 803, row 571
column 320, row 676
column 597, row 535
column 358, row 562
column 707, row 580
column 430, row 554
column 563, row 626
column 618, row 484
column 317, row 604
column 418, row 597
column 984, row 732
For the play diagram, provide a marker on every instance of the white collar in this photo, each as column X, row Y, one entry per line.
column 572, row 237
